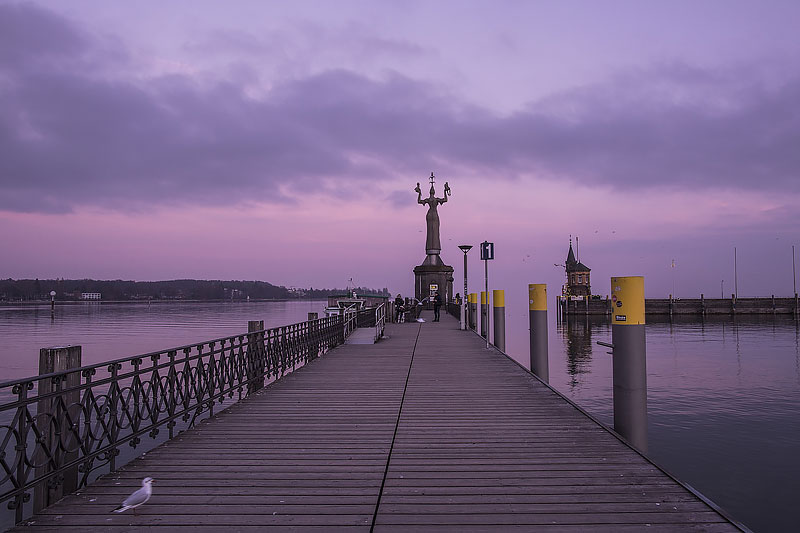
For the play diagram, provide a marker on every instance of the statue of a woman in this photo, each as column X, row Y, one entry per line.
column 433, row 246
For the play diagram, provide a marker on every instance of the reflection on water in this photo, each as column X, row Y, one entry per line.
column 576, row 334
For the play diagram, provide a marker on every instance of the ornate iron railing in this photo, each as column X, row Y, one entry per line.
column 60, row 429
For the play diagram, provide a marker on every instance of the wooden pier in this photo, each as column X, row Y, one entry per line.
column 426, row 430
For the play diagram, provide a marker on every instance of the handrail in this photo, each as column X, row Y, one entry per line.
column 373, row 317
column 77, row 423
column 380, row 321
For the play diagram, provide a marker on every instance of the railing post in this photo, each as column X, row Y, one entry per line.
column 484, row 316
column 499, row 317
column 313, row 335
column 629, row 359
column 52, row 415
column 22, row 497
column 255, row 356
column 537, row 317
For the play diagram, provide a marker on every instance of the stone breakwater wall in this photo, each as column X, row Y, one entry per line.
column 690, row 306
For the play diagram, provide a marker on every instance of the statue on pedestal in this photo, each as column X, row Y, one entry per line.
column 433, row 245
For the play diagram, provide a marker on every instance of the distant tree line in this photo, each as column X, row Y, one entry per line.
column 181, row 289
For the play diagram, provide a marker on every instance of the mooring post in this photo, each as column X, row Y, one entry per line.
column 733, row 303
column 484, row 316
column 702, row 305
column 473, row 311
column 58, row 420
column 537, row 318
column 670, row 305
column 629, row 359
column 256, row 354
column 499, row 317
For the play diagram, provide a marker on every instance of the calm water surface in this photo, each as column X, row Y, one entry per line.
column 723, row 395
column 108, row 331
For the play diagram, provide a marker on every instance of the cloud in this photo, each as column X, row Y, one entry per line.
column 32, row 34
column 75, row 132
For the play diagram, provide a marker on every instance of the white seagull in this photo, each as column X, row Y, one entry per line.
column 138, row 498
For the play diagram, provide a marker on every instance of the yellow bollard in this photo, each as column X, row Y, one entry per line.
column 630, row 359
column 537, row 318
column 499, row 317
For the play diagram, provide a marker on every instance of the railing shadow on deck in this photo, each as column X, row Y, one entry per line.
column 64, row 429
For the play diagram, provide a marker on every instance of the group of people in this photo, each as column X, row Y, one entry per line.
column 400, row 308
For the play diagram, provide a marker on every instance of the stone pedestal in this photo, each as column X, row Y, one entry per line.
column 433, row 271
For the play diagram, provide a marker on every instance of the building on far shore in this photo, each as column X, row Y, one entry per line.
column 578, row 283
column 90, row 296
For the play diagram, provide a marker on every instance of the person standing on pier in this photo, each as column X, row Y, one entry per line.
column 399, row 309
column 437, row 304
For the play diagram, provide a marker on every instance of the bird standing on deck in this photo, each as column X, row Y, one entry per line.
column 138, row 498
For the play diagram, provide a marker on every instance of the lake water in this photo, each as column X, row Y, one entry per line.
column 723, row 395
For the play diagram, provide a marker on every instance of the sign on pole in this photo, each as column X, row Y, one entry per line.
column 487, row 251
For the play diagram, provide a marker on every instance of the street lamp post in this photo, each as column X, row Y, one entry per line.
column 464, row 248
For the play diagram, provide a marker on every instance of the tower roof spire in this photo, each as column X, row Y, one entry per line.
column 570, row 254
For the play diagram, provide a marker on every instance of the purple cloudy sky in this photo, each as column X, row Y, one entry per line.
column 282, row 141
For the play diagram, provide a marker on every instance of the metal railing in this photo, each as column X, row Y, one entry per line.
column 63, row 428
column 380, row 321
column 373, row 317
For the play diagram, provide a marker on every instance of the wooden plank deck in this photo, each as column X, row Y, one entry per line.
column 479, row 445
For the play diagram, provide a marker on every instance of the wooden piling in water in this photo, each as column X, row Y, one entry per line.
column 62, row 433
